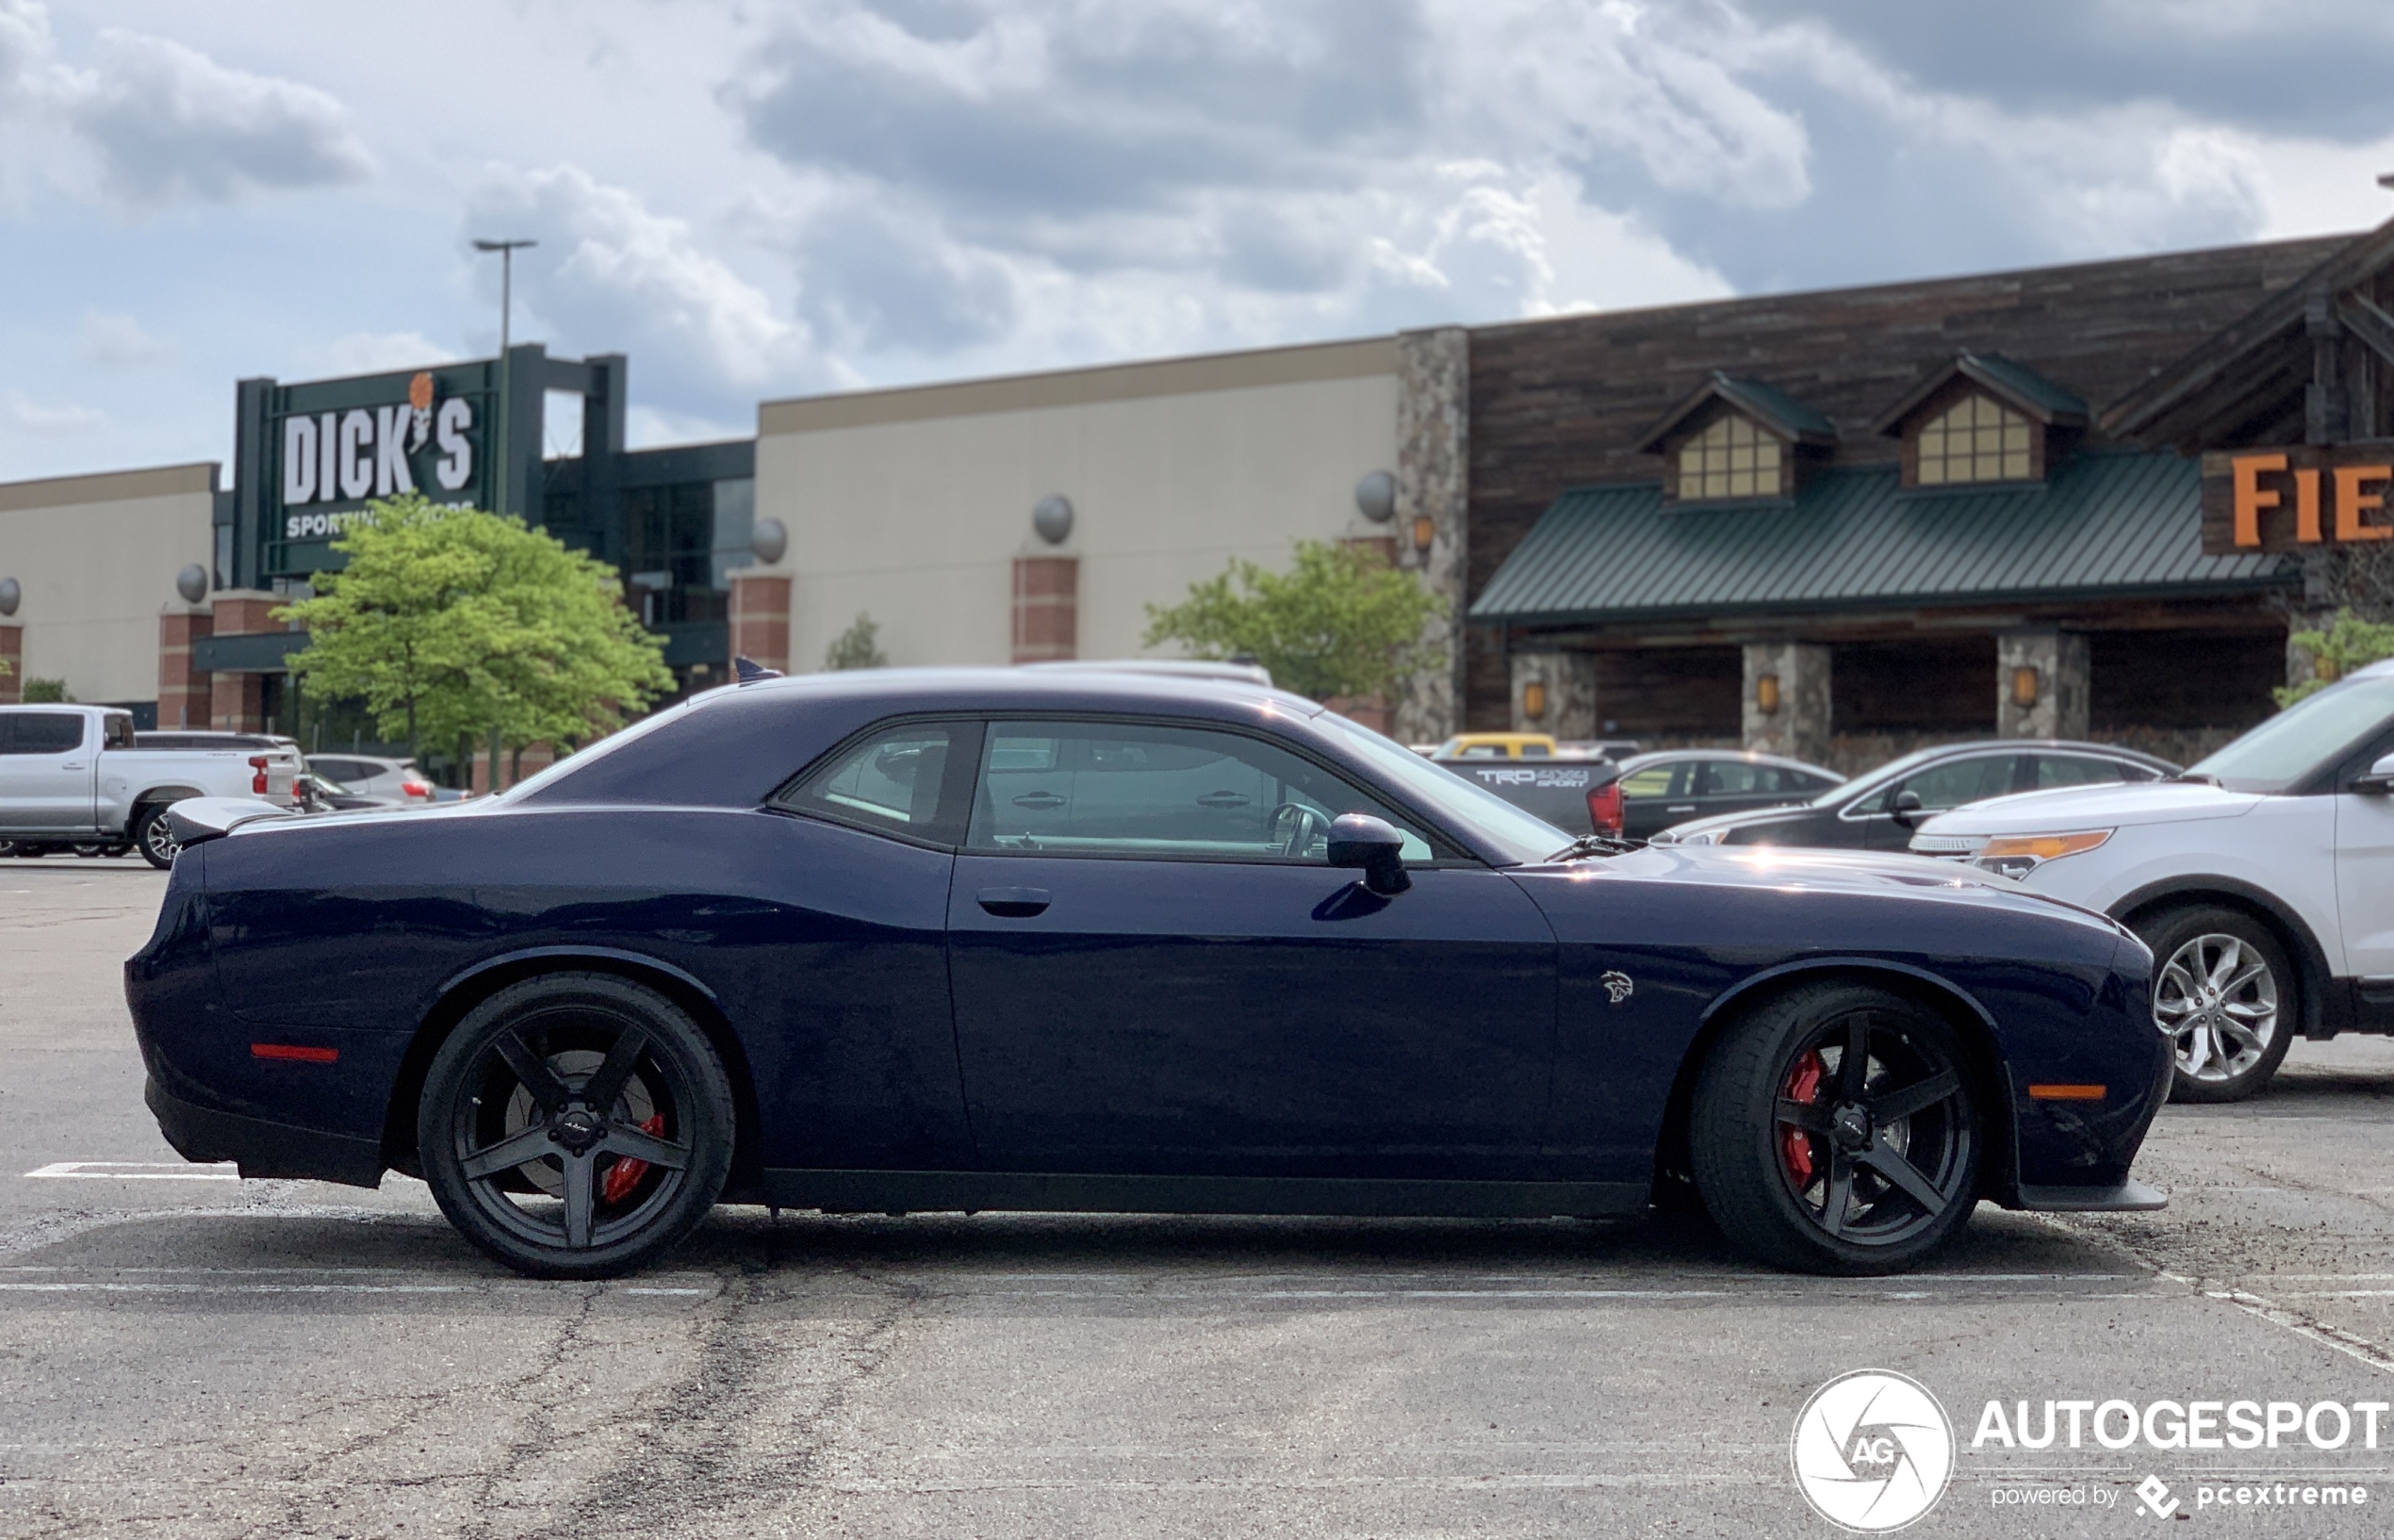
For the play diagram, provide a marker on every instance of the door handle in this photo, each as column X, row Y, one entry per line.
column 1689, row 807
column 1042, row 801
column 1015, row 903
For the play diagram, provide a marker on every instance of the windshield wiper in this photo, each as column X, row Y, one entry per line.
column 1596, row 844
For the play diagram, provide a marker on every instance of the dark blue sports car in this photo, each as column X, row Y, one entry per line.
column 1048, row 939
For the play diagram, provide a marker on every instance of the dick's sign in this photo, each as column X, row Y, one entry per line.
column 2304, row 494
column 335, row 456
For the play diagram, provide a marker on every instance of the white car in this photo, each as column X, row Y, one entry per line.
column 2263, row 880
column 394, row 781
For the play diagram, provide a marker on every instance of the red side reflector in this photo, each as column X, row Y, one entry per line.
column 294, row 1052
column 2066, row 1093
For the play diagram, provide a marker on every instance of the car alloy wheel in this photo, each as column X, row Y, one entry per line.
column 1834, row 1131
column 154, row 840
column 2224, row 995
column 575, row 1125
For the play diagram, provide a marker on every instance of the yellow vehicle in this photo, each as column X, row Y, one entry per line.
column 1497, row 745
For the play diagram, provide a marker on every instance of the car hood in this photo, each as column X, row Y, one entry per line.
column 2093, row 806
column 1791, row 868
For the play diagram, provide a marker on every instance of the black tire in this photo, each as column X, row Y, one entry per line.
column 1811, row 1171
column 150, row 836
column 2230, row 1040
column 596, row 1192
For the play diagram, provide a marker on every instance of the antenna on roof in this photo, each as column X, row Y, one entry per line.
column 750, row 670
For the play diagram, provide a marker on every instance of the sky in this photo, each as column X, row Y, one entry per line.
column 766, row 200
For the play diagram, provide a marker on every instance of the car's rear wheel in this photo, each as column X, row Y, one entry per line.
column 1833, row 1131
column 2223, row 990
column 153, row 838
column 575, row 1125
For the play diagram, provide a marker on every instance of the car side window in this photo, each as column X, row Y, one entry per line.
column 116, row 730
column 1654, row 780
column 1736, row 777
column 907, row 778
column 42, row 732
column 2076, row 770
column 1957, row 782
column 1161, row 792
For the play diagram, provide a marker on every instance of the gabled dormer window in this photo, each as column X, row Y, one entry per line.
column 1731, row 440
column 1976, row 439
column 1732, row 458
column 1982, row 420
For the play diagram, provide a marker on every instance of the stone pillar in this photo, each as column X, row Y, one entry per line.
column 184, row 693
column 1433, row 518
column 1554, row 693
column 12, row 657
column 1046, row 608
column 1787, row 699
column 761, row 618
column 2041, row 684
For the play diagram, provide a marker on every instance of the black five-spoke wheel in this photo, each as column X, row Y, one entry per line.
column 1833, row 1131
column 575, row 1125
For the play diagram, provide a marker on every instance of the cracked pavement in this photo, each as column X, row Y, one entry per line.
column 218, row 1359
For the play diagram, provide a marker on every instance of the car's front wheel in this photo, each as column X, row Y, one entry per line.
column 1833, row 1131
column 2225, row 992
column 575, row 1125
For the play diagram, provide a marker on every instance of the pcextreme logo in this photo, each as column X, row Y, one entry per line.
column 1873, row 1451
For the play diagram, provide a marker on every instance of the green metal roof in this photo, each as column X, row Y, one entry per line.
column 2108, row 525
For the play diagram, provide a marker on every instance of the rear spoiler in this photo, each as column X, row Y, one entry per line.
column 196, row 820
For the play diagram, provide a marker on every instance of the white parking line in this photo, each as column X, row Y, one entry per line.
column 138, row 1171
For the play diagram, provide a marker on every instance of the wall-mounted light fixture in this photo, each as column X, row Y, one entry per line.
column 769, row 538
column 1533, row 699
column 2024, row 687
column 11, row 596
column 192, row 582
column 1424, row 531
column 1766, row 695
column 1376, row 496
column 2325, row 669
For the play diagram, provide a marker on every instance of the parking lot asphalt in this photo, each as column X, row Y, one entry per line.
column 182, row 1354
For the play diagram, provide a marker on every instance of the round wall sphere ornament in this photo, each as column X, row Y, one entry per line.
column 10, row 595
column 769, row 539
column 1052, row 519
column 1376, row 496
column 192, row 582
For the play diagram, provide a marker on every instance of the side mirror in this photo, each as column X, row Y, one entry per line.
column 1907, row 808
column 2380, row 779
column 1359, row 840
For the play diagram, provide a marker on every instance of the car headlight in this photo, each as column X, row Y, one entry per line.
column 2017, row 855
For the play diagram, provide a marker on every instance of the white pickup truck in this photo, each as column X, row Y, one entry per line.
column 73, row 779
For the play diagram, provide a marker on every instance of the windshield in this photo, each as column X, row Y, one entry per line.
column 1522, row 837
column 2304, row 738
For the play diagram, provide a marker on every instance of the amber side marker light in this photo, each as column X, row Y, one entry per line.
column 294, row 1053
column 2066, row 1093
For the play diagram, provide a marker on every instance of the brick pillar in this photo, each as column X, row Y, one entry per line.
column 1046, row 608
column 236, row 701
column 761, row 618
column 2042, row 680
column 245, row 612
column 184, row 693
column 1564, row 694
column 1787, row 699
column 13, row 654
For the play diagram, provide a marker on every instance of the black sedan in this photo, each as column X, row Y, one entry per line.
column 891, row 940
column 1879, row 811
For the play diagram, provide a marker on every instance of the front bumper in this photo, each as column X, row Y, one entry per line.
column 260, row 1148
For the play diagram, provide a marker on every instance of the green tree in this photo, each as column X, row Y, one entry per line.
column 858, row 646
column 2351, row 643
column 46, row 692
column 451, row 623
column 1340, row 621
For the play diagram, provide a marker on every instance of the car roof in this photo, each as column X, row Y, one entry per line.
column 1743, row 756
column 1024, row 689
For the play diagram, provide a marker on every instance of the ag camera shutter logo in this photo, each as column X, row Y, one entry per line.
column 1873, row 1451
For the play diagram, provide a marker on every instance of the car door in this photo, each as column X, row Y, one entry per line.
column 1946, row 784
column 49, row 777
column 1735, row 785
column 1157, row 972
column 2364, row 881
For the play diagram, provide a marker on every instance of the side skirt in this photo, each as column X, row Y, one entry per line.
column 902, row 1192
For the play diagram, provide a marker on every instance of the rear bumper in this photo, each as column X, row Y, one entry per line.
column 2129, row 1197
column 263, row 1149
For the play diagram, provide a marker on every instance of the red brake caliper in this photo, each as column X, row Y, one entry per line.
column 1794, row 1144
column 625, row 1175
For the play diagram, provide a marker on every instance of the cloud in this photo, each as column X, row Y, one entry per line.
column 115, row 339
column 610, row 274
column 51, row 419
column 153, row 123
column 379, row 352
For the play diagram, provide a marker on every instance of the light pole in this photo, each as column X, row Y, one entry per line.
column 506, row 249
